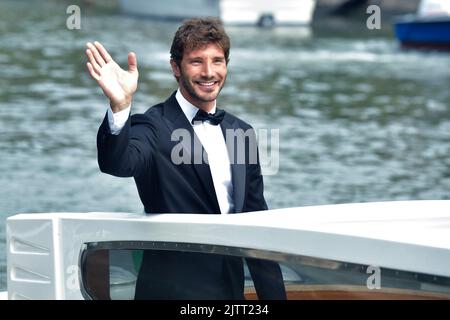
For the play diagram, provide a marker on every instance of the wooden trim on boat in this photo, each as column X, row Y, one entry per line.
column 343, row 292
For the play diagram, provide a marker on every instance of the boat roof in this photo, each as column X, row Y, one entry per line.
column 399, row 221
column 404, row 235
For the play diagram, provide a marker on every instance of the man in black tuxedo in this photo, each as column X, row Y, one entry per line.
column 185, row 158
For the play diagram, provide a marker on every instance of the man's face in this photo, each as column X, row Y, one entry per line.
column 202, row 75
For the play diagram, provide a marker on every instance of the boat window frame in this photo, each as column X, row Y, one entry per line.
column 280, row 257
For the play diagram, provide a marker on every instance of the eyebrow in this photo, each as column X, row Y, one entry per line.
column 201, row 58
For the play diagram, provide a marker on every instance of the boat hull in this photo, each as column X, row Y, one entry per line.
column 416, row 32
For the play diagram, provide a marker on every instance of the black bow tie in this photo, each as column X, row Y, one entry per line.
column 215, row 118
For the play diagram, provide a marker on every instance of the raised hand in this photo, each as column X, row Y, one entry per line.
column 117, row 84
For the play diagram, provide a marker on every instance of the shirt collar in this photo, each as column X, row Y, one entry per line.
column 188, row 108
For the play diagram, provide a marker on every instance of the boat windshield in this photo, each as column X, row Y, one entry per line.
column 110, row 270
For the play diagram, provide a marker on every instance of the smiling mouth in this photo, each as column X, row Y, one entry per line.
column 206, row 84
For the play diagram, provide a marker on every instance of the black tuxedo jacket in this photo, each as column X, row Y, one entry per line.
column 143, row 150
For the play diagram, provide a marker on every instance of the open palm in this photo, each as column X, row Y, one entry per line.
column 117, row 84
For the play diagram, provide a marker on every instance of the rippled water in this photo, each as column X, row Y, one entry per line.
column 359, row 119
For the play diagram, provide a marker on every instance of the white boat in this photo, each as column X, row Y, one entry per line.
column 433, row 8
column 428, row 29
column 235, row 12
column 387, row 250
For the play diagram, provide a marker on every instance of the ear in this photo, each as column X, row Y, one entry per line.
column 175, row 68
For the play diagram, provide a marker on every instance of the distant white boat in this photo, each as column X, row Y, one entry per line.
column 235, row 12
column 385, row 250
column 434, row 8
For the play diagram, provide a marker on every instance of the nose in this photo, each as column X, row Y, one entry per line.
column 207, row 70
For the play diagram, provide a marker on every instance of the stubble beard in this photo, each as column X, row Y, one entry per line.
column 191, row 91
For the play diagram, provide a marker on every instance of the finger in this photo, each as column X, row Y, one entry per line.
column 96, row 55
column 97, row 69
column 105, row 55
column 92, row 60
column 92, row 72
column 132, row 62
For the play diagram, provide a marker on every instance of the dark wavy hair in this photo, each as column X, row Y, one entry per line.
column 196, row 33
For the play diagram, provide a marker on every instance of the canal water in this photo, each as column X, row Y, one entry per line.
column 358, row 118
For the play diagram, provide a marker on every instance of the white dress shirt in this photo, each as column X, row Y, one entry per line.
column 211, row 138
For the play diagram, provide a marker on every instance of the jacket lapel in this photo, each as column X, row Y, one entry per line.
column 238, row 171
column 193, row 147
